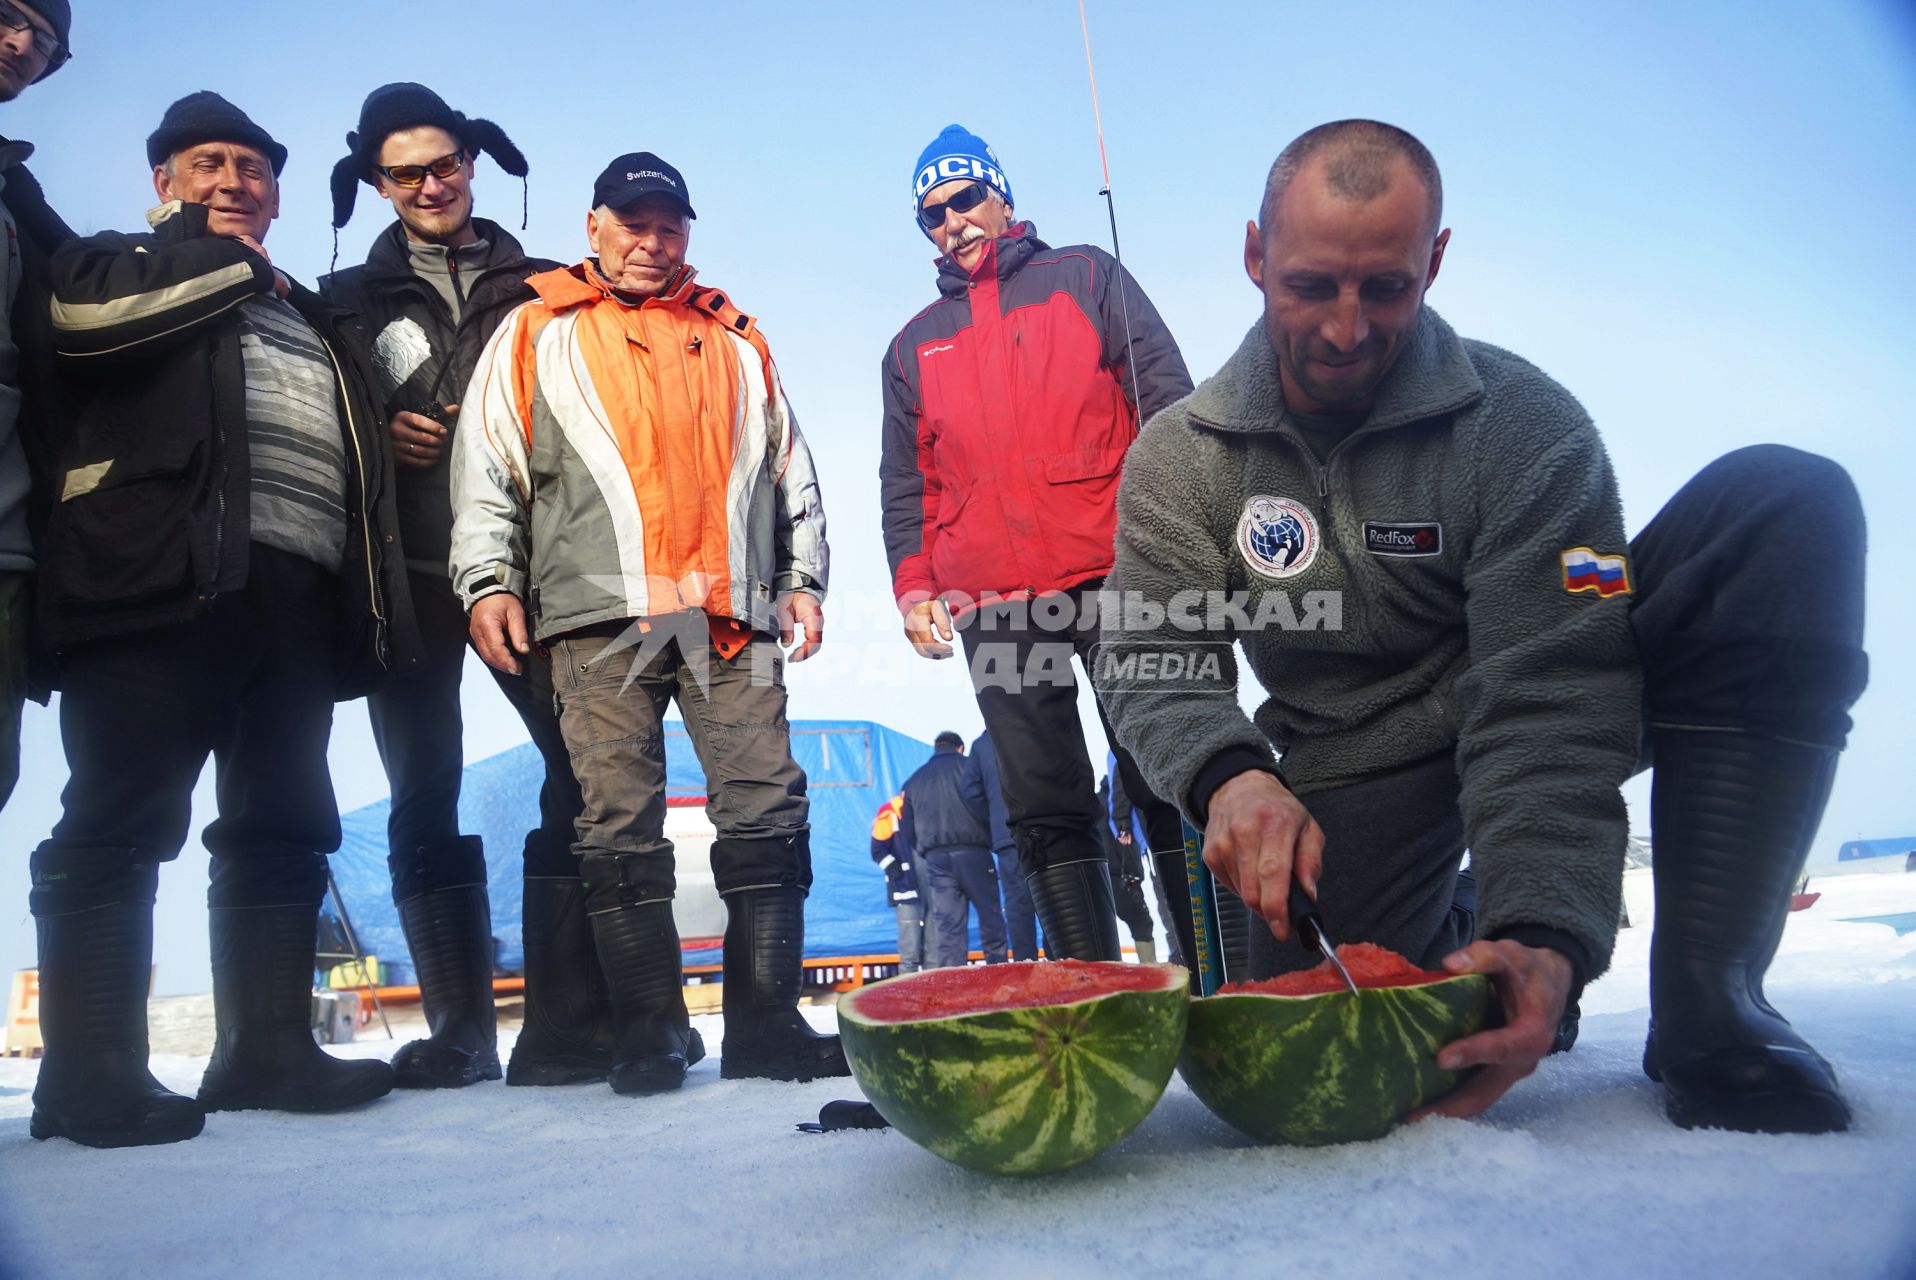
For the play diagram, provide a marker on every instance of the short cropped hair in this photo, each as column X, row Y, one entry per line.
column 1362, row 156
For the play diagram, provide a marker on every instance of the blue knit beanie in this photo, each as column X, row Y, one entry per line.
column 957, row 153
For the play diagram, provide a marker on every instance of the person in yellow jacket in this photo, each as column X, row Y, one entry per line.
column 631, row 495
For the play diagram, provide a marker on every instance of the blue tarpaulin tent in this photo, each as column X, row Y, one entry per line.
column 852, row 767
column 1857, row 849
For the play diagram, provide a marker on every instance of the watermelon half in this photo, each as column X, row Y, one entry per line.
column 1017, row 1068
column 1300, row 1059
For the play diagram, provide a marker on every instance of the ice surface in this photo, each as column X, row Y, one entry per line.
column 1576, row 1173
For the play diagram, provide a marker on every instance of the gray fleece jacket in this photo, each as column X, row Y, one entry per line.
column 1411, row 595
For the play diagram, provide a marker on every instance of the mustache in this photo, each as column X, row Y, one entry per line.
column 969, row 236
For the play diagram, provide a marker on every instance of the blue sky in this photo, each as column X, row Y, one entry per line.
column 1698, row 218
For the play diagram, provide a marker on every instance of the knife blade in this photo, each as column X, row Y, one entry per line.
column 1309, row 923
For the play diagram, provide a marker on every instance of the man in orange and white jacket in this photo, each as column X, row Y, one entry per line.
column 632, row 495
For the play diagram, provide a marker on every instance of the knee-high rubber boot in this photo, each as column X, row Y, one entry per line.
column 94, row 1086
column 653, row 1040
column 264, row 1056
column 449, row 932
column 1732, row 819
column 1076, row 909
column 567, row 1037
column 765, row 1035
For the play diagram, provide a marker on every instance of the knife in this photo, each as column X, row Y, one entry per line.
column 1309, row 923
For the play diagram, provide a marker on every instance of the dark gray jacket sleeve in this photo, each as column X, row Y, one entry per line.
column 1138, row 343
column 1169, row 563
column 115, row 293
column 1549, row 709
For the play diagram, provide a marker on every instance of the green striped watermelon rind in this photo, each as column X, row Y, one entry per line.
column 1318, row 1069
column 1022, row 1091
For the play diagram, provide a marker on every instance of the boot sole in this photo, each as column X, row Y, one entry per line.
column 300, row 1103
column 553, row 1072
column 469, row 1075
column 1771, row 1111
column 43, row 1127
column 781, row 1069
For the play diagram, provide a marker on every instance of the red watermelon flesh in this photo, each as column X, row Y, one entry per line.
column 948, row 993
column 1370, row 966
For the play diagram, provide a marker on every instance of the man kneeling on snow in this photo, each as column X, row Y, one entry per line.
column 1484, row 650
column 631, row 491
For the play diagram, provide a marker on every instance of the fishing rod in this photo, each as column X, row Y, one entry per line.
column 1202, row 936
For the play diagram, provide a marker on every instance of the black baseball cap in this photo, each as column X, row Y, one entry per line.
column 636, row 174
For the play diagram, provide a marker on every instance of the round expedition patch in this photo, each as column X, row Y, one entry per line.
column 1277, row 536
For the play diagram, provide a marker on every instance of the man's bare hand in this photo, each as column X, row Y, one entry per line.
column 928, row 627
column 1533, row 985
column 1259, row 837
column 800, row 614
column 282, row 287
column 418, row 441
column 499, row 631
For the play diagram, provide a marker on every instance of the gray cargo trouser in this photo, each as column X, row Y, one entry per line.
column 613, row 695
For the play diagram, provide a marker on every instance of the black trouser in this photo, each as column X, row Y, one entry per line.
column 1748, row 613
column 1021, row 671
column 418, row 726
column 248, row 680
column 963, row 880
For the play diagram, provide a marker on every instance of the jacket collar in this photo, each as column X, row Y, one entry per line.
column 1002, row 259
column 389, row 255
column 1433, row 377
column 585, row 283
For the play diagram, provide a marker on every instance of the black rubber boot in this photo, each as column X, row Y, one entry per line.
column 449, row 932
column 766, row 1038
column 567, row 1036
column 653, row 1040
column 94, row 1086
column 1074, row 905
column 1732, row 817
column 264, row 1055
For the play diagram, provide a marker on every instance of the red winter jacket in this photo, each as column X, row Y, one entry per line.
column 1009, row 404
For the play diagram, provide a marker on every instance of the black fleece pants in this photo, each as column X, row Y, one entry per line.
column 1748, row 612
column 420, row 731
column 248, row 680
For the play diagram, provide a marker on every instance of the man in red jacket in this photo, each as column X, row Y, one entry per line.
column 1009, row 404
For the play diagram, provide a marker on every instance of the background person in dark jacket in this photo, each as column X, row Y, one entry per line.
column 435, row 285
column 1127, row 879
column 999, row 481
column 945, row 821
column 892, row 852
column 33, row 45
column 1021, row 922
column 215, row 577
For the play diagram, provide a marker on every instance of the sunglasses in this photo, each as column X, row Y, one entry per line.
column 44, row 42
column 412, row 175
column 964, row 200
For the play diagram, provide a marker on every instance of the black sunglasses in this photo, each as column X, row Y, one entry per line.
column 413, row 175
column 964, row 200
column 46, row 42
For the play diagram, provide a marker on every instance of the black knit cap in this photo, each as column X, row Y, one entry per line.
column 59, row 16
column 404, row 105
column 207, row 117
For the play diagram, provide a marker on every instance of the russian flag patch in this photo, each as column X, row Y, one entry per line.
column 1585, row 570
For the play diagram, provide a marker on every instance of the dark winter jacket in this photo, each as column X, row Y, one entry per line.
column 41, row 232
column 1418, row 593
column 1009, row 404
column 945, row 806
column 153, row 479
column 892, row 852
column 987, row 757
column 423, row 361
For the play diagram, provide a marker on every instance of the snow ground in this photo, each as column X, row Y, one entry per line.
column 1574, row 1174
